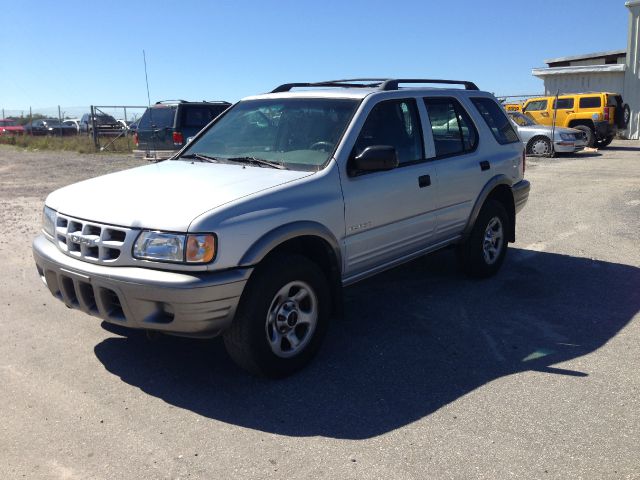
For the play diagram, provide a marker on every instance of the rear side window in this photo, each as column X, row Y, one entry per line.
column 196, row 116
column 590, row 102
column 563, row 103
column 453, row 131
column 158, row 117
column 536, row 106
column 496, row 120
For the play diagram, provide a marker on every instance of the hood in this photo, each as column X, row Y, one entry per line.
column 166, row 195
column 547, row 129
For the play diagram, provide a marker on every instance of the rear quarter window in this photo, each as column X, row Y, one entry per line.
column 590, row 102
column 496, row 120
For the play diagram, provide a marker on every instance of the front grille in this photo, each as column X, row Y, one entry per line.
column 92, row 241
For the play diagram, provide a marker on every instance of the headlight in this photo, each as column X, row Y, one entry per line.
column 567, row 136
column 172, row 247
column 49, row 221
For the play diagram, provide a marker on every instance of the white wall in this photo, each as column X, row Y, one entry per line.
column 632, row 75
column 585, row 82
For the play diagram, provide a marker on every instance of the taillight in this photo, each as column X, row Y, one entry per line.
column 606, row 113
column 178, row 139
column 135, row 138
column 524, row 162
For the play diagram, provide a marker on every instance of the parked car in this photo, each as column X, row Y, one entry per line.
column 165, row 127
column 10, row 127
column 598, row 114
column 49, row 126
column 105, row 124
column 72, row 122
column 537, row 138
column 253, row 228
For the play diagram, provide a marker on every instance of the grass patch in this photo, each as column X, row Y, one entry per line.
column 76, row 143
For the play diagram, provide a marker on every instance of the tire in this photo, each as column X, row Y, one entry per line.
column 626, row 116
column 605, row 142
column 482, row 254
column 540, row 146
column 590, row 136
column 269, row 315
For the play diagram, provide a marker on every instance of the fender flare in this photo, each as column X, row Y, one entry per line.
column 270, row 240
column 484, row 194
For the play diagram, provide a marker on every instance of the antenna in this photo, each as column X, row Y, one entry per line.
column 153, row 133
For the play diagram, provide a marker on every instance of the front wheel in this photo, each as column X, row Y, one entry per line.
column 282, row 317
column 540, row 146
column 589, row 135
column 605, row 142
column 482, row 254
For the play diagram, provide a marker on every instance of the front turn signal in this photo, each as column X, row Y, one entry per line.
column 201, row 248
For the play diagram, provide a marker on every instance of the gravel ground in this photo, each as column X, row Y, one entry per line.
column 531, row 374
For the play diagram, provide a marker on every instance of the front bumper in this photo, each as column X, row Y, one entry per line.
column 520, row 194
column 567, row 146
column 181, row 303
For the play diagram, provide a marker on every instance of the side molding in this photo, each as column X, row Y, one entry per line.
column 272, row 239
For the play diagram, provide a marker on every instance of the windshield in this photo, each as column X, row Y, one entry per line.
column 52, row 122
column 104, row 119
column 521, row 119
column 299, row 133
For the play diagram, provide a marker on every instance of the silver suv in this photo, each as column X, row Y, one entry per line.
column 253, row 228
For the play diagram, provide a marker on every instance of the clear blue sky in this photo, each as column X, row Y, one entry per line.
column 76, row 53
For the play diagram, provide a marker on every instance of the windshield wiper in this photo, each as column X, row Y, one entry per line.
column 201, row 157
column 259, row 161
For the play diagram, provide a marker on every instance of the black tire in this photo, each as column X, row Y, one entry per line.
column 540, row 146
column 626, row 116
column 605, row 142
column 589, row 134
column 246, row 340
column 471, row 254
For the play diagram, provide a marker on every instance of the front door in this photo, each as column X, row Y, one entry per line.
column 389, row 214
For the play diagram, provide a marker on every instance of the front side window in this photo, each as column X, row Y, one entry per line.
column 453, row 131
column 393, row 123
column 536, row 106
column 299, row 133
column 496, row 120
column 590, row 102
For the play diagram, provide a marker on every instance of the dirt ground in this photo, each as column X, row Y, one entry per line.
column 531, row 374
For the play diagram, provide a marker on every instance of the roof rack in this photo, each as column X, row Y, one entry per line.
column 170, row 101
column 383, row 84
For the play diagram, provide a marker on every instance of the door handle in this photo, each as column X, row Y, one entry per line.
column 424, row 181
column 485, row 165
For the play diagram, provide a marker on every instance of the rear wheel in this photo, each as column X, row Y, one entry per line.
column 484, row 251
column 282, row 317
column 589, row 135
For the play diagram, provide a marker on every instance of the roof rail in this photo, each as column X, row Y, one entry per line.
column 383, row 84
column 170, row 101
column 393, row 84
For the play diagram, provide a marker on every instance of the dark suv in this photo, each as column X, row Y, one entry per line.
column 165, row 127
column 105, row 125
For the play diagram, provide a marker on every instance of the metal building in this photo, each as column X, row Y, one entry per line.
column 616, row 71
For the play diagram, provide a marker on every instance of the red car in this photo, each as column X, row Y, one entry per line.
column 10, row 127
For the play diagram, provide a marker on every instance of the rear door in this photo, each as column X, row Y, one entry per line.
column 155, row 129
column 564, row 108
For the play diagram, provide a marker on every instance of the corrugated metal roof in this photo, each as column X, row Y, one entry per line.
column 587, row 56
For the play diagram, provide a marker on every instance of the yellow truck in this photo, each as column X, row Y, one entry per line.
column 598, row 114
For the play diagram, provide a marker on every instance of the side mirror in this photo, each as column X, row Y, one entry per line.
column 375, row 158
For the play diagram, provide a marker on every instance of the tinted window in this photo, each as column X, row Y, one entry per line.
column 563, row 104
column 159, row 117
column 394, row 123
column 496, row 120
column 196, row 116
column 590, row 102
column 536, row 105
column 453, row 131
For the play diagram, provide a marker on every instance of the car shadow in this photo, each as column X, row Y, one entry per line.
column 411, row 341
column 623, row 149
